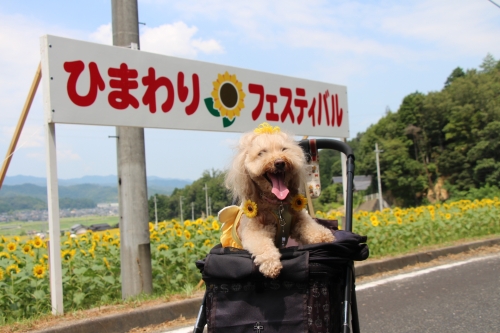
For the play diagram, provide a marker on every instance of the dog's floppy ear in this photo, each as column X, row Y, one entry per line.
column 238, row 180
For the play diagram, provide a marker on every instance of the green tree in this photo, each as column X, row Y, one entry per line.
column 457, row 72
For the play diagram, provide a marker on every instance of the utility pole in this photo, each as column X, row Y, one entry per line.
column 210, row 205
column 380, row 199
column 192, row 211
column 206, row 199
column 156, row 215
column 135, row 249
column 180, row 202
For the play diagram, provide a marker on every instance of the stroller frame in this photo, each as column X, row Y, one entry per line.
column 350, row 311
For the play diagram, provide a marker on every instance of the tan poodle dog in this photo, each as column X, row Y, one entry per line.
column 267, row 175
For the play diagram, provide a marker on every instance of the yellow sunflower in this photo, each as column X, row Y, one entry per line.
column 189, row 244
column 250, row 208
column 178, row 232
column 39, row 271
column 67, row 255
column 374, row 220
column 4, row 255
column 16, row 259
column 448, row 216
column 162, row 247
column 207, row 242
column 299, row 202
column 215, row 225
column 265, row 128
column 228, row 95
column 187, row 234
column 26, row 249
column 37, row 242
column 106, row 262
column 11, row 247
column 1, row 274
column 12, row 269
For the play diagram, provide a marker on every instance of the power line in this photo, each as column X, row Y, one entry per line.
column 494, row 3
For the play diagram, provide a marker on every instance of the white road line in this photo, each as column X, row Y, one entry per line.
column 420, row 272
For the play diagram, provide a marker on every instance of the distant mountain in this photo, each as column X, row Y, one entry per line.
column 168, row 184
column 20, row 180
column 22, row 192
column 96, row 193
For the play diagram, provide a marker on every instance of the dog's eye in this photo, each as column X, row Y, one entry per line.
column 284, row 148
column 262, row 152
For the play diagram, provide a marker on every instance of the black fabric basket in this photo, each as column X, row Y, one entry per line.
column 306, row 297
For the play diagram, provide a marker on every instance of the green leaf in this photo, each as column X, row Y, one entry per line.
column 39, row 294
column 80, row 271
column 209, row 103
column 226, row 122
column 109, row 279
column 97, row 268
column 78, row 297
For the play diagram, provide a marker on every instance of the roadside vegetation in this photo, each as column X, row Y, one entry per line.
column 91, row 262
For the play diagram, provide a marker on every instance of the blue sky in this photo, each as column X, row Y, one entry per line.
column 380, row 50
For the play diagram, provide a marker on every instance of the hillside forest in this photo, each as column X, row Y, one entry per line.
column 437, row 146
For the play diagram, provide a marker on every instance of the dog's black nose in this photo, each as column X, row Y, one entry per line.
column 279, row 165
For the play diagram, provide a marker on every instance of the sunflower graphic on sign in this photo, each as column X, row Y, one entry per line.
column 227, row 98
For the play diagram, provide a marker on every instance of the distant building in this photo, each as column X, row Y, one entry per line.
column 107, row 205
column 361, row 183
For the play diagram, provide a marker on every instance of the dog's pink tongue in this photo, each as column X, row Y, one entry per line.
column 279, row 188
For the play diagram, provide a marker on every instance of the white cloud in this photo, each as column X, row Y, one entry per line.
column 102, row 35
column 388, row 29
column 31, row 136
column 177, row 40
column 459, row 26
column 67, row 155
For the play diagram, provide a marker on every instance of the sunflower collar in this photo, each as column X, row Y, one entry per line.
column 251, row 210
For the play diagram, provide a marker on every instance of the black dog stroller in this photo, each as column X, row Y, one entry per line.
column 315, row 291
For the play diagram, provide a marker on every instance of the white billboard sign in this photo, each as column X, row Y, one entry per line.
column 94, row 84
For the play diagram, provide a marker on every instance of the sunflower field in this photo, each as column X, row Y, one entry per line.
column 91, row 262
column 399, row 230
column 91, row 266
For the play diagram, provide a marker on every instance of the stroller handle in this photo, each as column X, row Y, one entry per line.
column 347, row 150
column 328, row 144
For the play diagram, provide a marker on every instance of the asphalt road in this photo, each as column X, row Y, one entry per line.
column 460, row 298
column 453, row 298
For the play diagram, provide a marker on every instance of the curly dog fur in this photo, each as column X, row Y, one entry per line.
column 260, row 160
